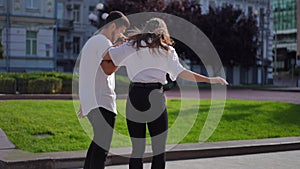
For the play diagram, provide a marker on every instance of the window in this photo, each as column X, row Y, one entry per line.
column 250, row 10
column 76, row 45
column 284, row 15
column 1, row 45
column 1, row 2
column 261, row 17
column 47, row 53
column 60, row 44
column 212, row 4
column 32, row 4
column 238, row 6
column 224, row 4
column 31, row 43
column 92, row 8
column 76, row 13
column 48, row 48
column 60, row 10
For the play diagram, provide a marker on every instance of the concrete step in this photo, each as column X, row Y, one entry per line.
column 18, row 159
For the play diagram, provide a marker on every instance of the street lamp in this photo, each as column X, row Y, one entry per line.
column 98, row 19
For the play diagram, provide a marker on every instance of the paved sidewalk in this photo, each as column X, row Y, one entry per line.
column 278, row 160
column 288, row 95
column 17, row 159
column 283, row 95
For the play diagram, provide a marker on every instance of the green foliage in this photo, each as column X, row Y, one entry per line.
column 232, row 32
column 45, row 85
column 36, row 82
column 66, row 82
column 134, row 6
column 23, row 81
column 22, row 120
column 48, row 83
column 234, row 35
column 7, row 85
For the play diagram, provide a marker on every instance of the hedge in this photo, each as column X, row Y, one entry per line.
column 23, row 81
column 45, row 85
column 66, row 82
column 27, row 83
column 7, row 85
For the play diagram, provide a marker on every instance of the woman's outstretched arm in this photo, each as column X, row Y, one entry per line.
column 192, row 76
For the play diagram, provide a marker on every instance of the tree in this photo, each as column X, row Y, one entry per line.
column 234, row 35
column 191, row 11
column 135, row 6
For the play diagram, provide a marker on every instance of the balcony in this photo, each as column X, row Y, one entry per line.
column 65, row 25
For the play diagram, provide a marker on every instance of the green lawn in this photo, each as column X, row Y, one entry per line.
column 22, row 120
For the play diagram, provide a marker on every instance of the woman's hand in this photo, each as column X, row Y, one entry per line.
column 218, row 80
column 192, row 76
column 80, row 113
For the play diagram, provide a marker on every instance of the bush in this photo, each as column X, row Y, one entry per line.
column 23, row 81
column 75, row 84
column 7, row 85
column 49, row 82
column 66, row 82
column 45, row 85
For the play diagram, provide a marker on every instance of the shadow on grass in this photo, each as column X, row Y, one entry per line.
column 290, row 114
column 240, row 112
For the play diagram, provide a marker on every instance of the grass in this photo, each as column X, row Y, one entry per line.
column 22, row 120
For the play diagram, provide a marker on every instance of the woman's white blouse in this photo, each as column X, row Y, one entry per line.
column 145, row 65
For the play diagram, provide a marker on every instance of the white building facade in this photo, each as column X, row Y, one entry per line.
column 43, row 35
column 46, row 35
column 74, row 29
column 27, row 34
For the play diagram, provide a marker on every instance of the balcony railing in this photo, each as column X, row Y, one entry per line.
column 65, row 25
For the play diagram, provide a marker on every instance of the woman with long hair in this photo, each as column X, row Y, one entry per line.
column 148, row 56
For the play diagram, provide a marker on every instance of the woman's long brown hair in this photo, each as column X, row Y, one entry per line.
column 154, row 35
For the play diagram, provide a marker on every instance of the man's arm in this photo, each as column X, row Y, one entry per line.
column 108, row 67
column 107, row 64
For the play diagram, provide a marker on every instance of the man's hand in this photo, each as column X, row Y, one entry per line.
column 120, row 40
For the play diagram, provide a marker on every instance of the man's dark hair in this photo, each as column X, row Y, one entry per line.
column 118, row 18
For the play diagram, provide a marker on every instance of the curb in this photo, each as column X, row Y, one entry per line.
column 294, row 89
column 18, row 159
column 36, row 96
column 45, row 96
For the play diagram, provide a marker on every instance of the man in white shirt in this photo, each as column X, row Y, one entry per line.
column 96, row 89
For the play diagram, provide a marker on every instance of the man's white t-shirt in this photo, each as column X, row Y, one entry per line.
column 96, row 89
column 145, row 65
